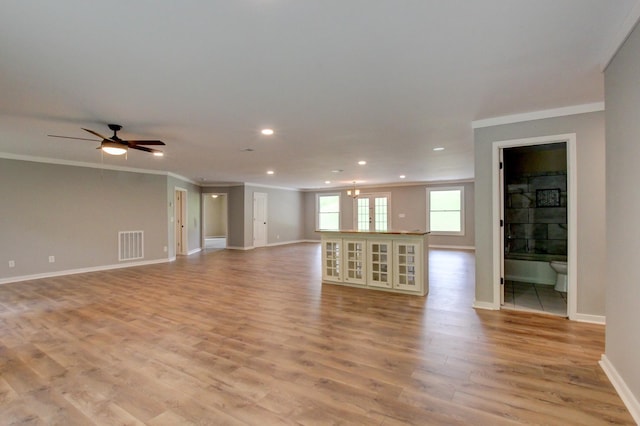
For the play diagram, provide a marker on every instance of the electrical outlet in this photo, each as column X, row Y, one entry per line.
column 52, row 259
column 165, row 249
column 12, row 264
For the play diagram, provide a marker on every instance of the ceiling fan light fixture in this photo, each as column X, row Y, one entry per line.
column 158, row 154
column 113, row 148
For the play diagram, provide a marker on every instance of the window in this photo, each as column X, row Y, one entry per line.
column 328, row 208
column 446, row 210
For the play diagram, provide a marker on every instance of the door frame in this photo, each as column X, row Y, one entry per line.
column 263, row 195
column 183, row 234
column 204, row 215
column 572, row 214
column 372, row 196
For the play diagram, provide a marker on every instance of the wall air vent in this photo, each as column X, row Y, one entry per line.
column 130, row 245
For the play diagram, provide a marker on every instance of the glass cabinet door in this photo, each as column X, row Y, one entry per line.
column 380, row 264
column 407, row 272
column 355, row 261
column 331, row 262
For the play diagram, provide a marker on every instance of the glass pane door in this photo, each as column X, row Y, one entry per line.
column 372, row 212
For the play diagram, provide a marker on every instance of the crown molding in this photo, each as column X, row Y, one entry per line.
column 46, row 160
column 621, row 36
column 538, row 115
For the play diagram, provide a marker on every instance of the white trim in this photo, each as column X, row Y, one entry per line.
column 47, row 160
column 177, row 176
column 592, row 319
column 538, row 115
column 486, row 305
column 240, row 248
column 391, row 185
column 259, row 185
column 81, row 271
column 630, row 401
column 621, row 36
column 572, row 215
column 184, row 243
column 442, row 246
column 284, row 243
column 194, row 251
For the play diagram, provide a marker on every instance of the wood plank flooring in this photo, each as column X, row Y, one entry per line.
column 234, row 337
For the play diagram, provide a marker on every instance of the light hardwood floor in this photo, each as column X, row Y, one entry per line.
column 233, row 337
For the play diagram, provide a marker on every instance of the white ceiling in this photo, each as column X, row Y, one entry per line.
column 338, row 80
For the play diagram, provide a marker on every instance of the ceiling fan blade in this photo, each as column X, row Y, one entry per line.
column 71, row 137
column 142, row 148
column 145, row 142
column 95, row 133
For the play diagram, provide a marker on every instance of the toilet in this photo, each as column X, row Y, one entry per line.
column 561, row 275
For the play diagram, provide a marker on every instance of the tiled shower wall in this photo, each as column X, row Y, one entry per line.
column 532, row 229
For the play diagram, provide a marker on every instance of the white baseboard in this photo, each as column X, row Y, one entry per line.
column 194, row 251
column 283, row 243
column 81, row 271
column 440, row 246
column 485, row 305
column 631, row 402
column 593, row 319
column 240, row 248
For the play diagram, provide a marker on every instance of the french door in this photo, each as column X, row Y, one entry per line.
column 372, row 212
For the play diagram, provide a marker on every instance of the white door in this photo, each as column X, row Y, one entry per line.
column 259, row 219
column 371, row 212
column 180, row 222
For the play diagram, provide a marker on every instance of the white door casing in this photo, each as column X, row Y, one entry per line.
column 259, row 219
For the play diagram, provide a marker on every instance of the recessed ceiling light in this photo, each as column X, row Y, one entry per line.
column 270, row 172
column 267, row 132
column 214, row 196
column 327, row 182
column 158, row 154
column 402, row 176
column 362, row 162
column 337, row 171
column 438, row 149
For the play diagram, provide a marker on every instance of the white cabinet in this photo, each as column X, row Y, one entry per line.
column 355, row 261
column 331, row 261
column 407, row 274
column 378, row 260
column 380, row 263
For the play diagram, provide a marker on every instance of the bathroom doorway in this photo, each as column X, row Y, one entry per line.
column 534, row 244
column 214, row 221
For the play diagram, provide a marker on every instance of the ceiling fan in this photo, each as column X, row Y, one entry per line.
column 116, row 146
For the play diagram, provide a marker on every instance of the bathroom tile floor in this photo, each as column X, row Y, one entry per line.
column 534, row 297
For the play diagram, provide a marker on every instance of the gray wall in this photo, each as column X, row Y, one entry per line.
column 408, row 200
column 75, row 213
column 589, row 129
column 215, row 210
column 622, row 96
column 285, row 215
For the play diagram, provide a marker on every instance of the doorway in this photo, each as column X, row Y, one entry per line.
column 259, row 219
column 180, row 215
column 535, row 216
column 372, row 212
column 215, row 221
